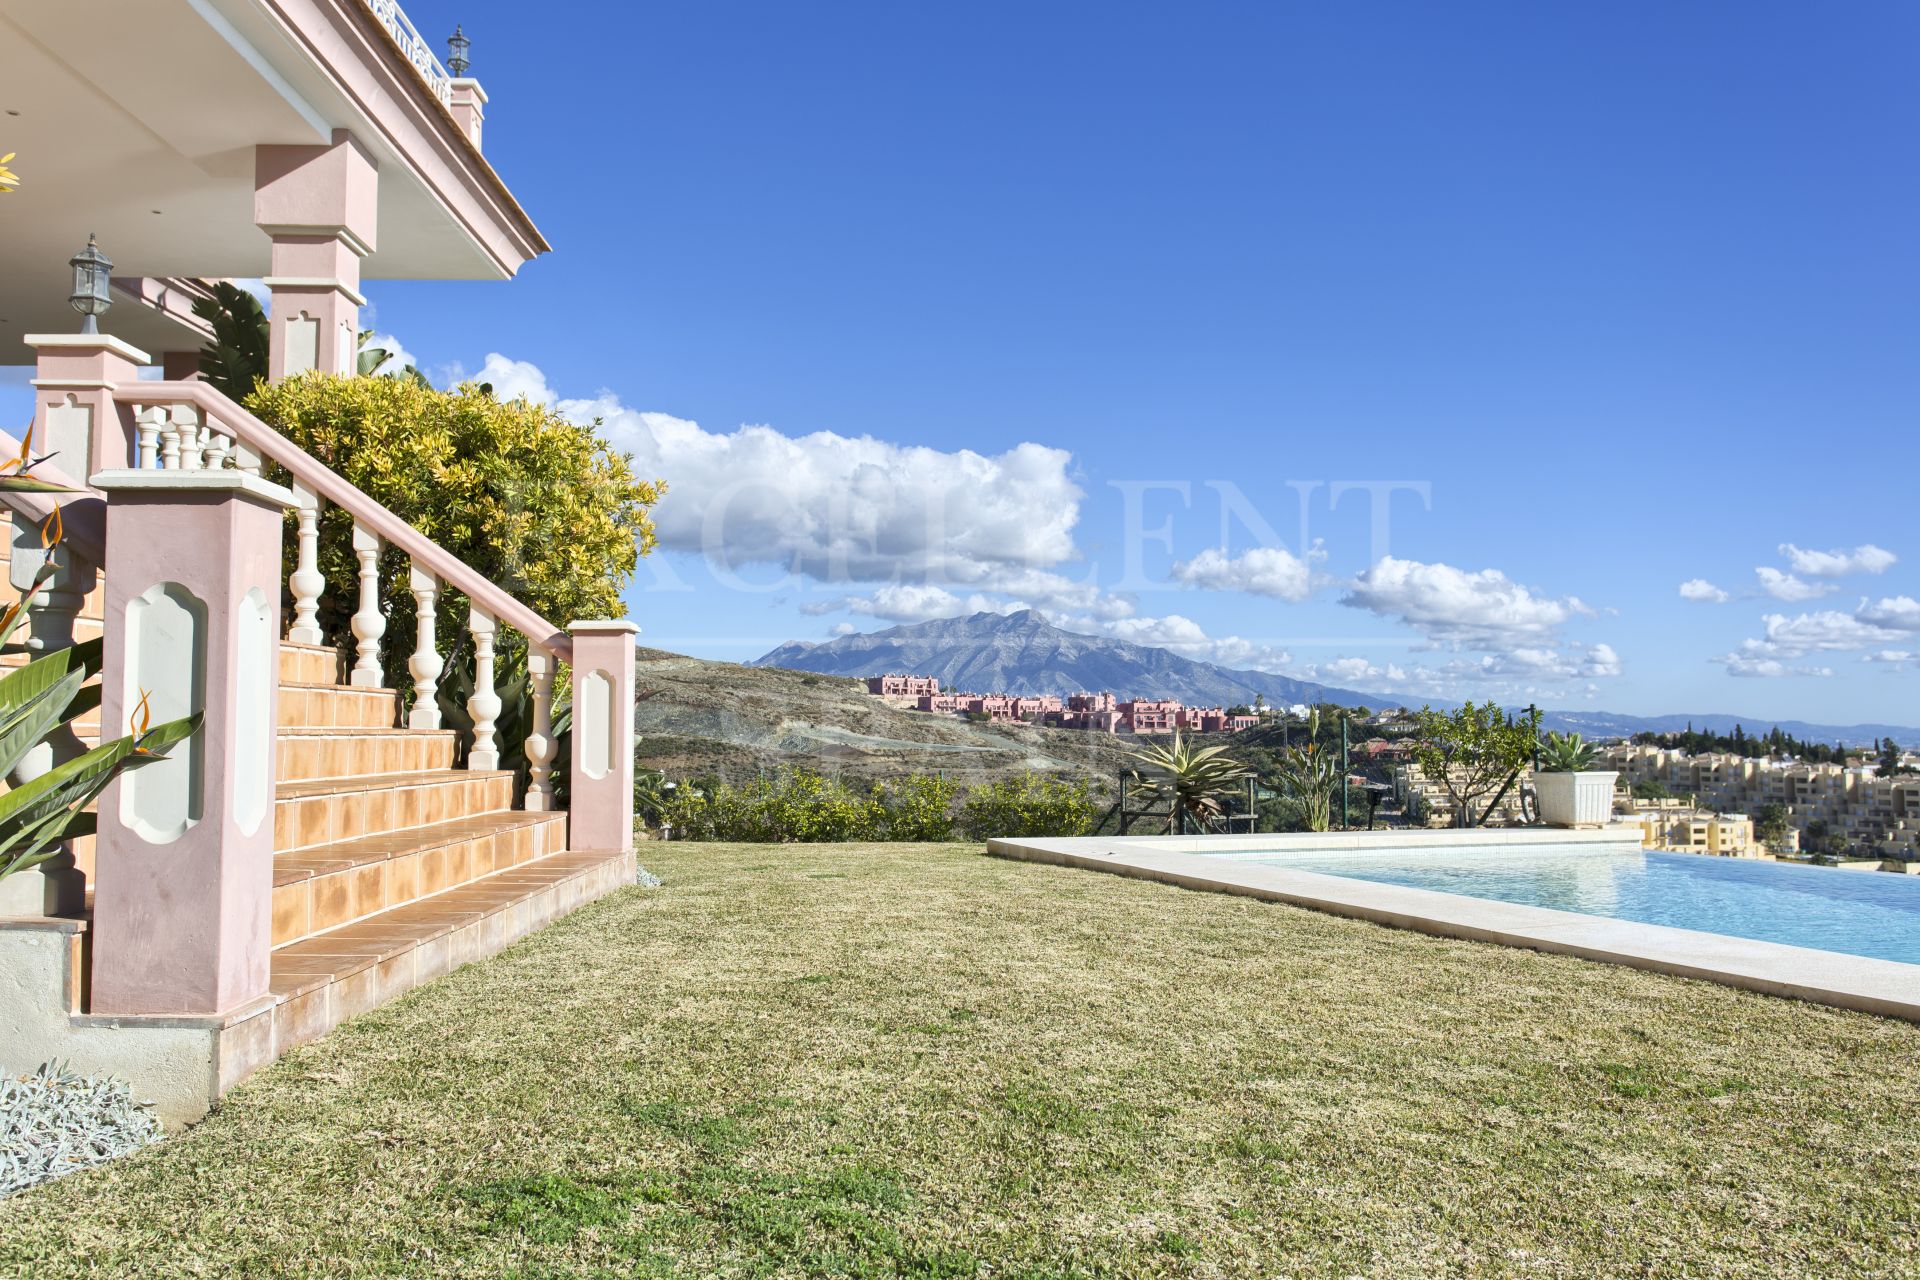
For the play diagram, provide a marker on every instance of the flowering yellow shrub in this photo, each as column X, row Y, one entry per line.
column 543, row 507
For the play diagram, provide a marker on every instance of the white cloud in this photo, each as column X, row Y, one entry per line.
column 1838, row 564
column 1350, row 670
column 1784, row 586
column 1701, row 591
column 842, row 629
column 1892, row 657
column 1460, row 609
column 1261, row 571
column 912, row 602
column 843, row 509
column 1895, row 613
column 1748, row 665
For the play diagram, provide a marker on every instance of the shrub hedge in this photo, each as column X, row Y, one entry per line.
column 802, row 807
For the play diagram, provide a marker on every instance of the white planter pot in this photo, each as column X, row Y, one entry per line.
column 1575, row 799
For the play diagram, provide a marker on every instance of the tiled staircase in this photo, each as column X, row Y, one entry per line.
column 390, row 866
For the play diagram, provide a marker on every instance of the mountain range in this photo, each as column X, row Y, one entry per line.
column 1024, row 653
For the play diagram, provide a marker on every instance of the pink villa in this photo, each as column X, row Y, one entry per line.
column 308, row 855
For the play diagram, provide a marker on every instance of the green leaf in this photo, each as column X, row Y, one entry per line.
column 79, row 781
column 24, row 684
column 27, row 726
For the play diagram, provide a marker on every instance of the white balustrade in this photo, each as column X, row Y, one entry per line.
column 426, row 663
column 306, row 581
column 413, row 47
column 541, row 746
column 369, row 623
column 484, row 704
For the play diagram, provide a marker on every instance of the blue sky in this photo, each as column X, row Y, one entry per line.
column 1630, row 291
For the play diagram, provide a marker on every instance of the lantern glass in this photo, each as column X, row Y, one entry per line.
column 457, row 48
column 92, row 271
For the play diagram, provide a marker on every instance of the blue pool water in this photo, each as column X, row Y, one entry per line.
column 1862, row 913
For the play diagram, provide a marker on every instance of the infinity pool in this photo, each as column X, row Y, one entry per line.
column 1862, row 913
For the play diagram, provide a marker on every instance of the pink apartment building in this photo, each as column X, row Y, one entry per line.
column 903, row 686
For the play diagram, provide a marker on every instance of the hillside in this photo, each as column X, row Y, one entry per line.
column 1023, row 653
column 699, row 717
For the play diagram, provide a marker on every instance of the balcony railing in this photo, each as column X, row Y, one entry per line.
column 413, row 47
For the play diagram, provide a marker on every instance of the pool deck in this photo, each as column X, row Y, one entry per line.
column 1823, row 977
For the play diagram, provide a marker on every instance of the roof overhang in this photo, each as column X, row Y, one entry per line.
column 136, row 120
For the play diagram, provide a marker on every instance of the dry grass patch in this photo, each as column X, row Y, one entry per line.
column 918, row 1061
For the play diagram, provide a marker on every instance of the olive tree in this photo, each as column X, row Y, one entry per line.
column 1475, row 753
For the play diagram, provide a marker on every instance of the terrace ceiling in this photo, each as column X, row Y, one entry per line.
column 137, row 120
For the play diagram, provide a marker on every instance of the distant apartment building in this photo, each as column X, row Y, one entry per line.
column 1148, row 715
column 1689, row 830
column 912, row 687
column 1878, row 817
column 1428, row 802
column 1214, row 720
column 1093, row 712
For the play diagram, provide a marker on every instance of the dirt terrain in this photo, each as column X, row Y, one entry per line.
column 720, row 718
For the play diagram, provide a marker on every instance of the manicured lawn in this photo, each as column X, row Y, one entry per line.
column 912, row 1060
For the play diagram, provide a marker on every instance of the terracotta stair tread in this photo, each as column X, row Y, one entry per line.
column 351, row 731
column 312, row 962
column 334, row 686
column 380, row 782
column 318, row 860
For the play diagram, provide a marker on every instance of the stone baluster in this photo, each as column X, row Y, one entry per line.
column 170, row 441
column 306, row 581
column 192, row 436
column 541, row 745
column 149, row 421
column 484, row 705
column 426, row 663
column 217, row 447
column 246, row 458
column 369, row 623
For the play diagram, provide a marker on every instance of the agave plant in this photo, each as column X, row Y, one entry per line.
column 1566, row 754
column 1312, row 776
column 46, row 695
column 1195, row 780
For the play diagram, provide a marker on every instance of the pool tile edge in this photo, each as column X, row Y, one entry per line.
column 1868, row 985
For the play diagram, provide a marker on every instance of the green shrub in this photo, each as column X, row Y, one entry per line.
column 1030, row 805
column 918, row 807
column 795, row 808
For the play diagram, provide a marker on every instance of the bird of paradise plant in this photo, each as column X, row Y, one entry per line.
column 1195, row 780
column 52, row 691
column 1311, row 775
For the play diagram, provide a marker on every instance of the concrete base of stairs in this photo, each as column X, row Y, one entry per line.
column 183, row 1064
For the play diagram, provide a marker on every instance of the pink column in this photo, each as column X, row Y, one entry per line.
column 184, row 858
column 600, row 810
column 320, row 206
column 74, row 414
column 468, row 103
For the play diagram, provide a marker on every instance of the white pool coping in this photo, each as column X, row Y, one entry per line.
column 1823, row 977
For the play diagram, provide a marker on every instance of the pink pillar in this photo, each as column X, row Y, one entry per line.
column 184, row 858
column 74, row 413
column 468, row 103
column 600, row 811
column 320, row 206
